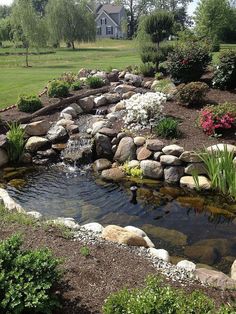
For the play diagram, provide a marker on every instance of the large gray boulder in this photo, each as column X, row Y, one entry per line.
column 124, row 88
column 174, row 150
column 135, row 80
column 3, row 157
column 103, row 146
column 38, row 128
column 154, row 145
column 35, row 143
column 151, row 169
column 87, row 104
column 126, row 150
column 173, row 174
column 56, row 133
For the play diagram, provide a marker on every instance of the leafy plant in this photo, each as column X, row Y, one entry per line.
column 26, row 278
column 85, row 251
column 132, row 171
column 68, row 77
column 147, row 69
column 94, row 82
column 58, row 88
column 16, row 142
column 76, row 85
column 29, row 103
column 167, row 128
column 192, row 93
column 225, row 72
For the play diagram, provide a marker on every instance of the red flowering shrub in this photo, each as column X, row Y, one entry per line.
column 215, row 119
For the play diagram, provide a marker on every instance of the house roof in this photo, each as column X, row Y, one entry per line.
column 110, row 8
column 101, row 12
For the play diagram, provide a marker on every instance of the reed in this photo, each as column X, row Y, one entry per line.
column 16, row 142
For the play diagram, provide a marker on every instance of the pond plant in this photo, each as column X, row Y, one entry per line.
column 16, row 142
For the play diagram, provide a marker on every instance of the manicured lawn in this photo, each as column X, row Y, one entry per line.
column 15, row 79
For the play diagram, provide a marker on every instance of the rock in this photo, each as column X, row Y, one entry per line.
column 126, row 150
column 113, row 76
column 3, row 157
column 224, row 247
column 77, row 108
column 198, row 168
column 121, row 135
column 98, row 125
column 66, row 116
column 101, row 74
column 150, row 244
column 56, row 134
column 94, row 227
column 103, row 146
column 133, row 164
column 35, row 143
column 120, row 106
column 120, row 235
column 204, row 254
column 69, row 110
column 143, row 153
column 112, row 98
column 139, row 140
column 147, row 84
column 169, row 235
column 188, row 156
column 100, row 101
column 17, row 183
column 193, row 202
column 87, row 104
column 124, row 88
column 3, row 141
column 233, row 270
column 9, row 203
column 122, row 74
column 108, row 132
column 59, row 147
column 222, row 147
column 159, row 253
column 114, row 174
column 128, row 95
column 188, row 181
column 67, row 222
column 151, row 169
column 102, row 164
column 72, row 129
column 65, row 123
column 169, row 160
column 35, row 214
column 38, row 128
column 114, row 116
column 172, row 175
column 26, row 158
column 174, row 150
column 172, row 191
column 136, row 80
column 136, row 230
column 187, row 265
column 215, row 278
column 83, row 73
column 154, row 145
column 157, row 156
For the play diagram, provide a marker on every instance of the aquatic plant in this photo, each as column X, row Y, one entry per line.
column 132, row 171
column 16, row 142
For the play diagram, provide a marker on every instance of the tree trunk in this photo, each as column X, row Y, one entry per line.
column 73, row 45
column 27, row 57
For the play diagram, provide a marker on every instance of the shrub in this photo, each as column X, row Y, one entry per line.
column 94, row 82
column 216, row 119
column 68, row 77
column 27, row 278
column 225, row 72
column 192, row 93
column 156, row 298
column 76, row 85
column 167, row 128
column 58, row 88
column 147, row 69
column 188, row 61
column 16, row 142
column 29, row 104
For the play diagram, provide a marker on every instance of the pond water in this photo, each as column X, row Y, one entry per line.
column 186, row 225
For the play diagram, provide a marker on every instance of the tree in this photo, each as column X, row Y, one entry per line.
column 27, row 26
column 4, row 11
column 5, row 29
column 40, row 6
column 70, row 21
column 169, row 5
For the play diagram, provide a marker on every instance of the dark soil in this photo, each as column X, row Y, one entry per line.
column 88, row 281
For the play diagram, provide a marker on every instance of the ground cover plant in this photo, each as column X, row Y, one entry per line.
column 192, row 93
column 29, row 103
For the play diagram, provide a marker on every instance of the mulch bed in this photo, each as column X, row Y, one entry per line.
column 88, row 281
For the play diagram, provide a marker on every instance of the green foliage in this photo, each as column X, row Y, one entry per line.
column 58, row 88
column 85, row 251
column 26, row 278
column 188, row 61
column 192, row 93
column 221, row 171
column 147, row 69
column 155, row 298
column 135, row 172
column 68, row 77
column 163, row 86
column 225, row 72
column 16, row 142
column 15, row 217
column 5, row 29
column 94, row 82
column 167, row 128
column 29, row 103
column 76, row 85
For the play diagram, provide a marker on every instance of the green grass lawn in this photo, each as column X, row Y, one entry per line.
column 15, row 79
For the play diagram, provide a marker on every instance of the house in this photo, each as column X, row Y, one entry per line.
column 110, row 21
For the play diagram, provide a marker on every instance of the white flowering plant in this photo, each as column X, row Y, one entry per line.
column 141, row 108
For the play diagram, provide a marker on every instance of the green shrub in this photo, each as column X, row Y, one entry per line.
column 188, row 61
column 94, row 82
column 192, row 93
column 29, row 104
column 167, row 128
column 68, row 77
column 225, row 72
column 15, row 143
column 147, row 69
column 155, row 298
column 26, row 278
column 58, row 88
column 76, row 85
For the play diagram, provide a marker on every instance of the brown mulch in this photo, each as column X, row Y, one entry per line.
column 88, row 281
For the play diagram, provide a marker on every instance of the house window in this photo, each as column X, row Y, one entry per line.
column 103, row 21
column 99, row 31
column 109, row 30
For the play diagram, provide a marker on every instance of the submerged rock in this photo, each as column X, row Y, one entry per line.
column 194, row 202
column 204, row 254
column 17, row 183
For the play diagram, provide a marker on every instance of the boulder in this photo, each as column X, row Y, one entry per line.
column 173, row 175
column 120, row 235
column 188, row 156
column 100, row 101
column 215, row 278
column 113, row 174
column 94, row 227
column 3, row 157
column 128, row 95
column 133, row 164
column 233, row 270
column 222, row 147
column 187, row 265
column 135, row 80
column 108, row 132
column 66, row 116
column 120, row 106
column 56, row 134
column 136, row 230
column 154, row 145
column 103, row 146
column 72, row 129
column 113, row 76
column 77, row 108
column 3, row 141
column 159, row 253
column 143, row 153
column 35, row 143
column 65, row 123
column 101, row 74
column 139, row 140
column 67, row 222
column 102, row 164
column 69, row 110
column 112, row 98
column 9, row 203
column 87, row 104
column 124, row 88
column 126, row 150
column 83, row 73
column 188, row 181
column 34, row 214
column 38, row 128
column 98, row 125
column 174, row 150
column 157, row 156
column 170, row 160
column 198, row 168
column 151, row 169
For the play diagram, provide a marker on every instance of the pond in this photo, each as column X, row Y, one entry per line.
column 187, row 225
